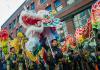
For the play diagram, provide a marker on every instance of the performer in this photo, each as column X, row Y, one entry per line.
column 21, row 60
column 2, row 60
column 12, row 59
column 57, row 56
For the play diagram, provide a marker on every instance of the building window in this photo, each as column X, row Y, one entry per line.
column 4, row 25
column 14, row 23
column 42, row 1
column 18, row 18
column 49, row 8
column 9, row 26
column 32, row 6
column 58, row 5
column 81, row 19
column 69, row 2
column 19, row 29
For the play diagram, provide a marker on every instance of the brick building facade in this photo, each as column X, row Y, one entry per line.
column 73, row 13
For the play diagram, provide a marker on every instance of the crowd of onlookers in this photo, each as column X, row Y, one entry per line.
column 58, row 60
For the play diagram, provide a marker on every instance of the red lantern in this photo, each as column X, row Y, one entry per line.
column 4, row 34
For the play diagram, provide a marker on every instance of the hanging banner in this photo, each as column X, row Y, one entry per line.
column 88, row 28
column 95, row 15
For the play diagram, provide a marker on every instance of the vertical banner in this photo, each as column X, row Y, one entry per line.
column 95, row 15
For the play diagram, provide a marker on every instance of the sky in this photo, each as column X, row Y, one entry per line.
column 7, row 8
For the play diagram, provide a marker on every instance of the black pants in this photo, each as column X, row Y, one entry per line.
column 67, row 66
column 51, row 67
column 77, row 66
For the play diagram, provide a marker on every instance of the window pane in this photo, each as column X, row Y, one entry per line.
column 82, row 18
column 76, row 18
column 88, row 13
column 82, row 14
column 84, row 21
column 9, row 26
column 59, row 8
column 42, row 1
column 80, row 23
column 12, row 26
column 17, row 18
column 76, row 23
column 57, row 3
column 32, row 6
column 49, row 8
column 20, row 29
column 14, row 23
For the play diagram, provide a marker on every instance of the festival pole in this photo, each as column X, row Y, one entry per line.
column 50, row 48
column 20, row 65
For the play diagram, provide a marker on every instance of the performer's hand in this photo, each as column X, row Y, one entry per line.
column 53, row 54
column 49, row 54
column 14, row 62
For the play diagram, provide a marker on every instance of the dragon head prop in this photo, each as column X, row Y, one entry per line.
column 30, row 17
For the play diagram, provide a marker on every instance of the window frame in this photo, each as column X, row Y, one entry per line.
column 32, row 6
column 18, row 30
column 59, row 6
column 43, row 2
column 78, row 18
column 49, row 7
